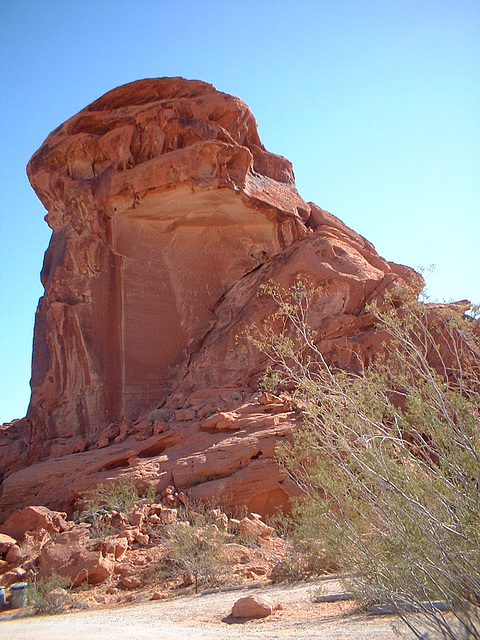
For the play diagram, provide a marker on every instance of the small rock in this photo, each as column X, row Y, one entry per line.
column 6, row 543
column 15, row 555
column 254, row 606
column 269, row 398
column 259, row 571
column 142, row 538
column 144, row 425
column 159, row 595
column 188, row 579
column 136, row 518
column 131, row 582
column 129, row 597
column 100, row 599
column 159, row 426
column 130, row 535
column 184, row 499
column 184, row 415
column 116, row 546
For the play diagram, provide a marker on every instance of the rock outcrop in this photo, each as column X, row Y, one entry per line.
column 168, row 214
column 161, row 197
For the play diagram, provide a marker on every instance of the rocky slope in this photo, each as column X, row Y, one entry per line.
column 168, row 215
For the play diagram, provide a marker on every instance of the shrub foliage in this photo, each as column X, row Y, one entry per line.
column 388, row 457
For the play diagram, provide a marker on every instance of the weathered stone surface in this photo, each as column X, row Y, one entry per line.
column 32, row 519
column 14, row 438
column 117, row 546
column 160, row 196
column 6, row 543
column 255, row 528
column 10, row 577
column 14, row 555
column 254, row 606
column 168, row 215
column 69, row 555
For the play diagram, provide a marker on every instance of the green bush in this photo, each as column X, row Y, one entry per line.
column 50, row 595
column 388, row 457
column 117, row 496
column 195, row 545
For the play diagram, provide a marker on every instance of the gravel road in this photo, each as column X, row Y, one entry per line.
column 200, row 618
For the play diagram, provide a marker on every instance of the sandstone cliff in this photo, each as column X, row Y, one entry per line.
column 167, row 215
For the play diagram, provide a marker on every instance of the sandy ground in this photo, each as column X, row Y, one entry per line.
column 200, row 618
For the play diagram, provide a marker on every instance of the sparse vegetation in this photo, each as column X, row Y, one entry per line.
column 50, row 595
column 388, row 457
column 119, row 496
column 199, row 551
column 302, row 558
column 195, row 546
column 162, row 415
column 199, row 479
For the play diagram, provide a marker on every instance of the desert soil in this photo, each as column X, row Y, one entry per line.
column 200, row 618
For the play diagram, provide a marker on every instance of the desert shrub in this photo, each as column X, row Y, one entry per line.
column 119, row 496
column 50, row 595
column 388, row 457
column 196, row 480
column 194, row 545
column 303, row 557
column 199, row 551
column 162, row 415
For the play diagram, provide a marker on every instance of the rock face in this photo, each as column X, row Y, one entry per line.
column 161, row 197
column 168, row 214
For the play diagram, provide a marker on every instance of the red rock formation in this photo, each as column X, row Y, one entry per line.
column 167, row 215
column 161, row 197
column 254, row 606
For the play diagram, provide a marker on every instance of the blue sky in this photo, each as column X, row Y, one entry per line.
column 376, row 103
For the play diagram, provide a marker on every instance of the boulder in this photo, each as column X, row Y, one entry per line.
column 15, row 555
column 70, row 554
column 14, row 575
column 130, row 581
column 254, row 528
column 32, row 519
column 6, row 543
column 117, row 546
column 254, row 606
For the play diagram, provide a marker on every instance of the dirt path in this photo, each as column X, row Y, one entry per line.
column 200, row 618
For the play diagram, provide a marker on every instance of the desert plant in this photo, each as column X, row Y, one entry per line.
column 195, row 545
column 196, row 480
column 199, row 551
column 162, row 415
column 49, row 595
column 302, row 558
column 118, row 496
column 388, row 457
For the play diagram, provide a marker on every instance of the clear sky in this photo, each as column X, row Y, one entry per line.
column 376, row 103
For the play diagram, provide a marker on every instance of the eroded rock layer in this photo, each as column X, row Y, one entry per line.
column 168, row 214
column 161, row 197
